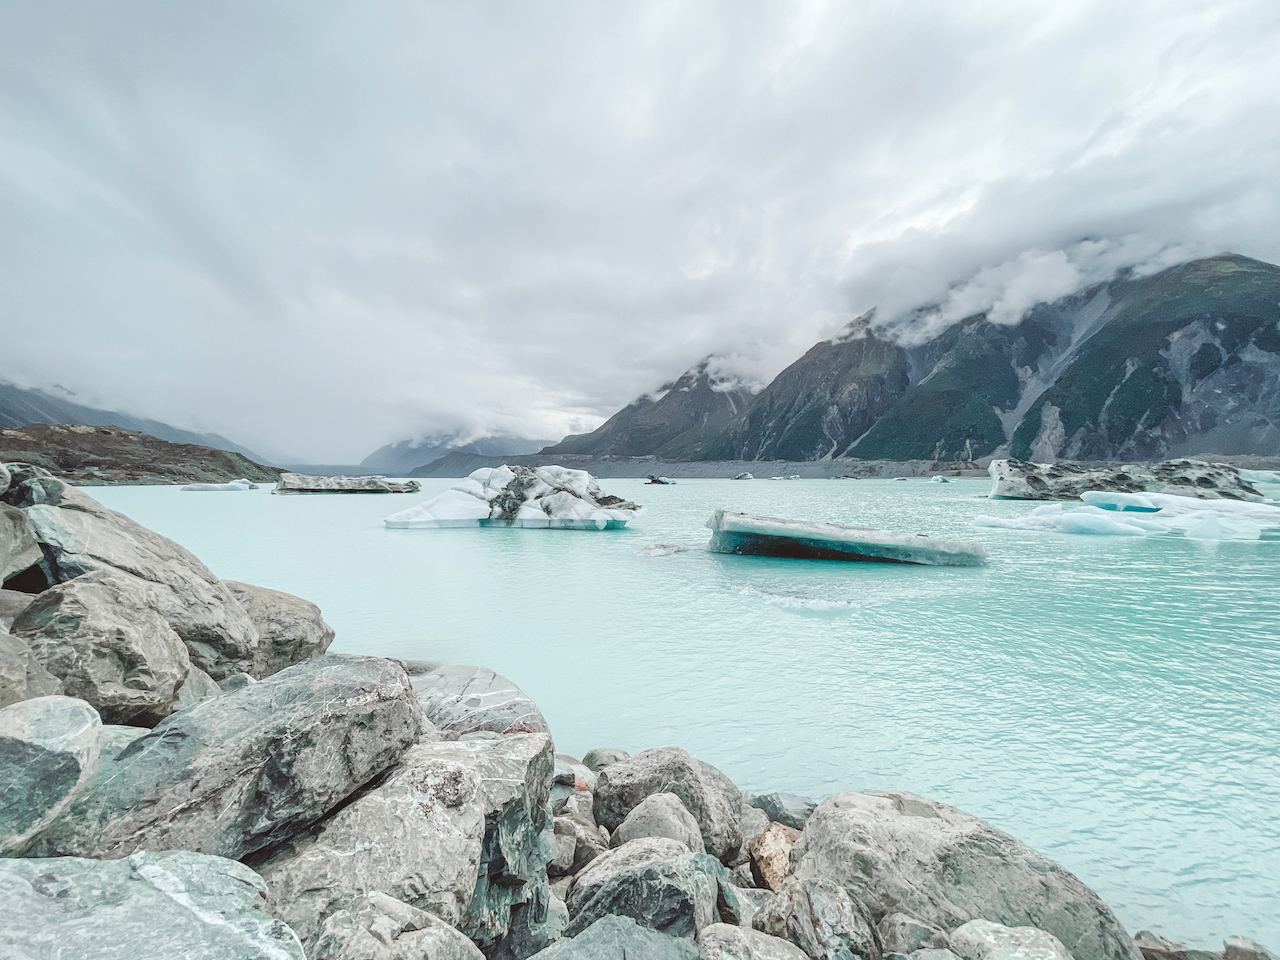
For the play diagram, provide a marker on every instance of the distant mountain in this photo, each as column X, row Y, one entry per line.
column 1183, row 362
column 676, row 421
column 400, row 459
column 19, row 407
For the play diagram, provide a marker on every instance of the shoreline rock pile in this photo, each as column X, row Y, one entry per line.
column 313, row 805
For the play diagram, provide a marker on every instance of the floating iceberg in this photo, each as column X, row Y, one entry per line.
column 1022, row 480
column 213, row 487
column 746, row 535
column 939, row 480
column 546, row 497
column 1148, row 514
column 659, row 481
column 744, row 476
column 301, row 483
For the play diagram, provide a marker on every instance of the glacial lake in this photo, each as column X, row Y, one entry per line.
column 1113, row 702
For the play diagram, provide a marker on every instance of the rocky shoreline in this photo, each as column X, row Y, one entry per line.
column 186, row 772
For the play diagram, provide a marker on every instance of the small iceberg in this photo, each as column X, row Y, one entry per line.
column 302, row 483
column 543, row 497
column 747, row 535
column 659, row 481
column 219, row 487
column 939, row 480
column 744, row 476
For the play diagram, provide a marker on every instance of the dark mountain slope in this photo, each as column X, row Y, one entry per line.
column 398, row 459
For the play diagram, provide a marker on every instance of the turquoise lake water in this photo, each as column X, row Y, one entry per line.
column 1114, row 702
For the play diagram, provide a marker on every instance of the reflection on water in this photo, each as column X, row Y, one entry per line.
column 1113, row 702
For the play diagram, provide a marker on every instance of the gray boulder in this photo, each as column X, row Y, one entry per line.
column 1242, row 948
column 102, row 636
column 18, row 546
column 750, row 901
column 660, row 815
column 752, row 823
column 290, row 629
column 22, row 676
column 78, row 536
column 599, row 758
column 579, row 805
column 654, row 880
column 898, row 853
column 723, row 941
column 984, row 940
column 705, row 792
column 146, row 907
column 469, row 699
column 582, row 837
column 1155, row 947
column 197, row 688
column 619, row 938
column 12, row 603
column 821, row 919
column 415, row 836
column 531, row 930
column 784, row 808
column 571, row 777
column 248, row 769
column 900, row 933
column 48, row 747
column 379, row 927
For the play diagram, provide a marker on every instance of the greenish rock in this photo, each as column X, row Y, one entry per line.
column 900, row 933
column 48, row 748
column 379, row 927
column 197, row 688
column 533, row 928
column 898, row 853
column 115, row 738
column 247, row 769
column 821, row 919
column 619, row 938
column 723, row 941
column 599, row 758
column 18, row 546
column 786, row 808
column 465, row 700
column 290, row 629
column 148, row 906
column 22, row 676
column 984, row 940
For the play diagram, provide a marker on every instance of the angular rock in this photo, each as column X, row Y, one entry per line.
column 752, row 823
column 585, row 839
column 103, row 637
column 290, row 629
column 560, row 887
column 570, row 777
column 379, row 927
column 146, row 907
column 78, row 535
column 821, row 919
column 750, row 902
column 785, row 808
column 577, row 805
column 48, row 748
column 528, row 935
column 656, row 881
column 1242, row 948
column 470, row 699
column 22, row 677
column 18, row 546
column 660, row 815
column 248, row 769
column 414, row 836
column 771, row 855
column 722, row 941
column 900, row 933
column 1021, row 480
column 984, row 940
column 705, row 792
column 619, row 938
column 115, row 738
column 599, row 758
column 12, row 603
column 562, row 863
column 898, row 853
column 197, row 688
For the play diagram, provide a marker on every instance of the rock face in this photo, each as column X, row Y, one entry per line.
column 78, row 535
column 770, row 853
column 821, row 919
column 248, row 769
column 619, row 938
column 290, row 629
column 378, row 927
column 21, row 675
column 102, row 635
column 722, row 941
column 660, row 815
column 984, row 940
column 705, row 792
column 18, row 547
column 301, row 483
column 415, row 836
column 1020, row 480
column 145, row 907
column 897, row 853
column 470, row 699
column 48, row 748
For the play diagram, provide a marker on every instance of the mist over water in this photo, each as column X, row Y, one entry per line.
column 1110, row 701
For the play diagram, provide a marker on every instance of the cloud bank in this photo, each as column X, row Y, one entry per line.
column 317, row 228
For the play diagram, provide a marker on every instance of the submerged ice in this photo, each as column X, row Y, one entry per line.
column 546, row 497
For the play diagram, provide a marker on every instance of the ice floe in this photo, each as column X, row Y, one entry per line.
column 547, row 497
column 1146, row 515
column 218, row 487
column 302, row 483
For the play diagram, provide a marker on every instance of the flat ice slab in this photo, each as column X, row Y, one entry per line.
column 541, row 497
column 746, row 535
column 230, row 486
column 301, row 483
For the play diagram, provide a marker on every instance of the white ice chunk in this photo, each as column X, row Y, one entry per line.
column 230, row 486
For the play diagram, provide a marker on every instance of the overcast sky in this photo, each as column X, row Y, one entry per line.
column 318, row 227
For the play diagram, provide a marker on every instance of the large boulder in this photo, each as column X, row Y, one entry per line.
column 984, row 940
column 290, row 629
column 78, row 535
column 723, row 941
column 785, row 808
column 102, row 636
column 379, row 927
column 471, row 699
column 146, row 907
column 654, row 880
column 414, row 836
column 619, row 938
column 599, row 758
column 248, row 769
column 22, row 676
column 705, row 792
column 18, row 546
column 898, row 853
column 581, row 840
column 770, row 853
column 48, row 748
column 660, row 815
column 12, row 603
column 821, row 919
